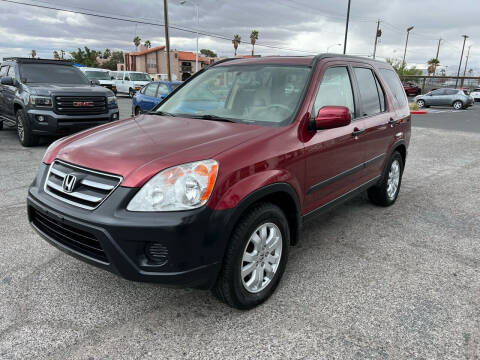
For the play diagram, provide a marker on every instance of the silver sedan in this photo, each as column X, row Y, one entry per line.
column 446, row 97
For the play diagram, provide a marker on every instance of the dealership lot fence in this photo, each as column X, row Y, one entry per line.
column 429, row 83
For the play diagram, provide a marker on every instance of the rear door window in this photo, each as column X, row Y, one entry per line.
column 162, row 89
column 11, row 72
column 3, row 71
column 151, row 90
column 335, row 89
column 369, row 92
column 393, row 82
column 450, row 91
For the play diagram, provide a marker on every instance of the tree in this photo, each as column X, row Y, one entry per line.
column 148, row 44
column 137, row 41
column 55, row 55
column 62, row 54
column 432, row 65
column 253, row 39
column 115, row 58
column 401, row 68
column 443, row 72
column 33, row 54
column 236, row 41
column 86, row 57
column 107, row 53
column 208, row 53
column 470, row 72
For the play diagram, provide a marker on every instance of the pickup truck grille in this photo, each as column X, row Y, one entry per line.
column 81, row 105
column 78, row 186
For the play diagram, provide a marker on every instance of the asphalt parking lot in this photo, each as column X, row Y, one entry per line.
column 364, row 282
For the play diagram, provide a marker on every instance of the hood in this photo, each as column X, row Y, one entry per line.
column 67, row 89
column 140, row 147
column 141, row 82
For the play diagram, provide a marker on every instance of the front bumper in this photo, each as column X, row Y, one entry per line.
column 55, row 124
column 194, row 240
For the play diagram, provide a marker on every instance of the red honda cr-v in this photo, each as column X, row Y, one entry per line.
column 211, row 188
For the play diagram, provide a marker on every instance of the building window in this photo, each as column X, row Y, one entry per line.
column 151, row 63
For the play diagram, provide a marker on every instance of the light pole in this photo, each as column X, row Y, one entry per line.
column 195, row 4
column 465, row 37
column 406, row 43
column 329, row 46
column 167, row 39
column 346, row 28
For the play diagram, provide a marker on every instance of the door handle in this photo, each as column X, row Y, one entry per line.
column 392, row 121
column 357, row 131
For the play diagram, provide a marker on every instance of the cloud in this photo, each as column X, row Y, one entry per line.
column 306, row 26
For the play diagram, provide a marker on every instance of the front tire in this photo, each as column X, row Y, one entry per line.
column 386, row 192
column 24, row 131
column 255, row 258
column 138, row 111
column 458, row 105
column 131, row 93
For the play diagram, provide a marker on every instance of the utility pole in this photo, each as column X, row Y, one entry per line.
column 346, row 29
column 167, row 39
column 378, row 33
column 465, row 37
column 406, row 43
column 466, row 62
column 436, row 57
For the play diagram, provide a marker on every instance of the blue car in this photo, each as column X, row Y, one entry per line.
column 151, row 94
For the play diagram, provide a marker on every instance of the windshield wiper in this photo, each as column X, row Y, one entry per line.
column 212, row 117
column 161, row 113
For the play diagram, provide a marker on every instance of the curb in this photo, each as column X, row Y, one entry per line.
column 419, row 112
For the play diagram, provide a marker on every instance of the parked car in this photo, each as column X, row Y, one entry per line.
column 411, row 89
column 102, row 75
column 151, row 95
column 476, row 94
column 209, row 191
column 51, row 97
column 445, row 97
column 129, row 82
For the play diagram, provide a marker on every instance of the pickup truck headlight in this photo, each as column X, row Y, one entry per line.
column 112, row 100
column 183, row 187
column 41, row 101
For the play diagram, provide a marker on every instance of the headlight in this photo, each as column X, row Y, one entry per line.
column 45, row 101
column 181, row 187
column 112, row 100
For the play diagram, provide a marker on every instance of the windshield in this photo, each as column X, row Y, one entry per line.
column 139, row 77
column 174, row 86
column 99, row 75
column 261, row 94
column 52, row 74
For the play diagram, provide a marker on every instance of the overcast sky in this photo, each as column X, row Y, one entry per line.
column 298, row 27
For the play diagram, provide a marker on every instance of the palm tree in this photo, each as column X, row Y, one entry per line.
column 236, row 41
column 107, row 53
column 62, row 54
column 55, row 55
column 432, row 65
column 253, row 39
column 33, row 53
column 137, row 41
column 148, row 44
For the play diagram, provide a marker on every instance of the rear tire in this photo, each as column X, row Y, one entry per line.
column 249, row 254
column 458, row 105
column 24, row 131
column 421, row 103
column 386, row 192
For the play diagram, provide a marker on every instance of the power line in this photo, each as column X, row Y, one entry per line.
column 146, row 22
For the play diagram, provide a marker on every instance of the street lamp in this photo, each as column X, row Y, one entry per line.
column 195, row 4
column 406, row 43
column 329, row 46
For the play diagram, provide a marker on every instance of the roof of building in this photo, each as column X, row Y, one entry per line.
column 148, row 51
column 190, row 56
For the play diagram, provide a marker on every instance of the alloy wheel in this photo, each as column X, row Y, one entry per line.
column 261, row 257
column 421, row 103
column 393, row 180
column 457, row 105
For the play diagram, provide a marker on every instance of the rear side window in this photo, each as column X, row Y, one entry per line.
column 162, row 89
column 393, row 82
column 151, row 90
column 335, row 89
column 369, row 94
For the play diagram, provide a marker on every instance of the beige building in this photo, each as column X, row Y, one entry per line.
column 154, row 62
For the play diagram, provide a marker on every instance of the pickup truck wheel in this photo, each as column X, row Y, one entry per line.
column 131, row 93
column 386, row 192
column 255, row 258
column 24, row 132
column 458, row 105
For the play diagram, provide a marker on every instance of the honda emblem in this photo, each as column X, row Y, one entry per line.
column 69, row 182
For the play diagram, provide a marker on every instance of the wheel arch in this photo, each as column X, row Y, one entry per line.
column 401, row 147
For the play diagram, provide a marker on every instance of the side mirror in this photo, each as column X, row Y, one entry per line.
column 94, row 82
column 329, row 117
column 7, row 80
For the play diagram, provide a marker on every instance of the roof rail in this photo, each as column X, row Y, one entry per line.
column 38, row 61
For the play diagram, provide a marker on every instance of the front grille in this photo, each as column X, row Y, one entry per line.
column 79, row 240
column 89, row 189
column 81, row 105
